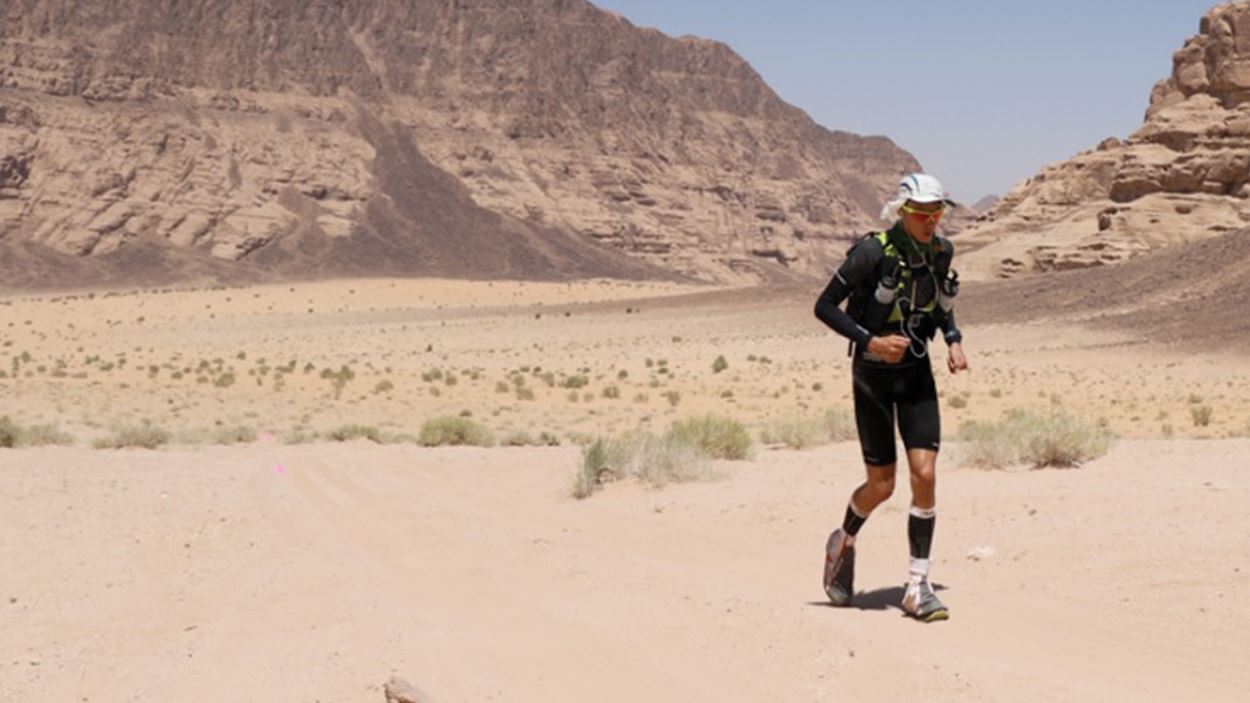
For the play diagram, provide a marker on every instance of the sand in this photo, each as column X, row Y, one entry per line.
column 315, row 571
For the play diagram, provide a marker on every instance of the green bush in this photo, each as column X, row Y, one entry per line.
column 718, row 437
column 454, row 431
column 1024, row 437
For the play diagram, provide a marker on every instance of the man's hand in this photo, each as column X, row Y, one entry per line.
column 955, row 360
column 891, row 348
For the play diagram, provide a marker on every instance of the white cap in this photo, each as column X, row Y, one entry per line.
column 918, row 188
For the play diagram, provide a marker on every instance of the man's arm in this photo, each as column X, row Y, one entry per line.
column 859, row 265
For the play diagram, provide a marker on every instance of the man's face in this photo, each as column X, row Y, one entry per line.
column 920, row 220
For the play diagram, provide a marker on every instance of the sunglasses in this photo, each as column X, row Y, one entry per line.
column 924, row 215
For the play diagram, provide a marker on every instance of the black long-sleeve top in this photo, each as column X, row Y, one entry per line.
column 857, row 272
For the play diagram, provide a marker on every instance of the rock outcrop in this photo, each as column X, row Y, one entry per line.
column 1183, row 176
column 519, row 138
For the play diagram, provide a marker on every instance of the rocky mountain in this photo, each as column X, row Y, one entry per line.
column 985, row 204
column 1184, row 176
column 156, row 139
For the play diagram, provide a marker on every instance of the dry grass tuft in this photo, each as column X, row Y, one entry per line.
column 450, row 430
column 1025, row 437
column 144, row 436
column 653, row 459
column 718, row 437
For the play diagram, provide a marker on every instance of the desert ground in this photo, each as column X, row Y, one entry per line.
column 288, row 566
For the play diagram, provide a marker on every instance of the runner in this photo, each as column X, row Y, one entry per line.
column 901, row 290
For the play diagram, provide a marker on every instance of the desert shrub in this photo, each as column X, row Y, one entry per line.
column 957, row 401
column 577, row 381
column 802, row 432
column 1052, row 439
column 9, row 433
column 347, row 433
column 502, row 387
column 45, row 435
column 525, row 439
column 839, row 425
column 519, row 439
column 523, row 393
column 144, row 436
column 673, row 397
column 1201, row 415
column 14, row 435
column 454, row 431
column 224, row 381
column 383, row 387
column 795, row 432
column 299, row 437
column 718, row 437
column 719, row 364
column 239, row 434
column 650, row 458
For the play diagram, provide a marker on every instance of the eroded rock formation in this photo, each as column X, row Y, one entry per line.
column 1183, row 176
column 527, row 138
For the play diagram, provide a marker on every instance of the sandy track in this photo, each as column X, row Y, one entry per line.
column 210, row 575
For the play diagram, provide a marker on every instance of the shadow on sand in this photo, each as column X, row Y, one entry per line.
column 886, row 598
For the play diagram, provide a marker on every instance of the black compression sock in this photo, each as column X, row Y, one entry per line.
column 853, row 520
column 920, row 523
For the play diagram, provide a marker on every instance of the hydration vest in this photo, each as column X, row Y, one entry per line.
column 916, row 302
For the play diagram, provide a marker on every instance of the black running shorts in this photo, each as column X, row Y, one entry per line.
column 880, row 394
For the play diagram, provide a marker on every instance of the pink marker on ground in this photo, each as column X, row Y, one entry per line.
column 279, row 469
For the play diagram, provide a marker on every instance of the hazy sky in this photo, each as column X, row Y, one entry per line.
column 983, row 92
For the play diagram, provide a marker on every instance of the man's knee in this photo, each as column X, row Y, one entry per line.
column 881, row 487
column 924, row 474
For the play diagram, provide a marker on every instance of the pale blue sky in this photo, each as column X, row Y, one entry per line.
column 983, row 92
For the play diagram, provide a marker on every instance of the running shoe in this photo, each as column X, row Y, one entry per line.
column 839, row 568
column 922, row 603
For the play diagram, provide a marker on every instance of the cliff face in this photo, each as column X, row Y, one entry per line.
column 529, row 138
column 1183, row 176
